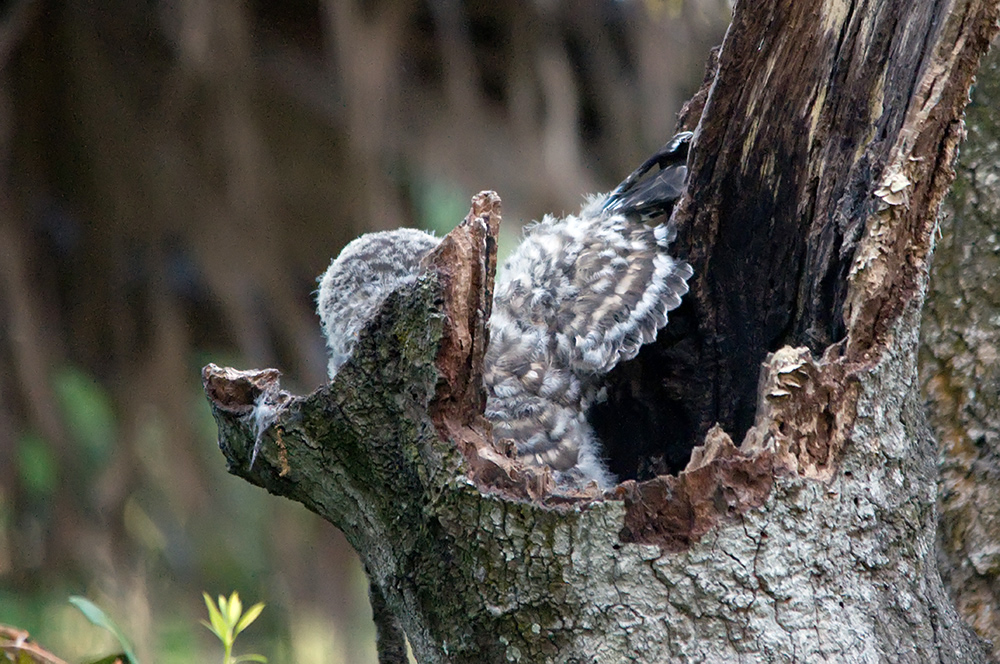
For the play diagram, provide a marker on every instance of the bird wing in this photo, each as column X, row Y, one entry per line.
column 654, row 195
column 594, row 288
column 626, row 283
column 579, row 295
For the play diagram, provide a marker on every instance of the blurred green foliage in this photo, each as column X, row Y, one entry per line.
column 87, row 413
column 440, row 204
column 37, row 465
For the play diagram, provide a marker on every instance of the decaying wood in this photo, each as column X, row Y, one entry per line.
column 822, row 154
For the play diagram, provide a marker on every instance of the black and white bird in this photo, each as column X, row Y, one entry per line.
column 579, row 294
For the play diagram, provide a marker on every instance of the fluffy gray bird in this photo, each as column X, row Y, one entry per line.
column 580, row 294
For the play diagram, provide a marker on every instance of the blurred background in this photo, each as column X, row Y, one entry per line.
column 174, row 174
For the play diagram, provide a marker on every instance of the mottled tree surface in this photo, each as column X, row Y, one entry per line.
column 960, row 365
column 824, row 147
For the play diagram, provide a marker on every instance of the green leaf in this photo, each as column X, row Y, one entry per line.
column 224, row 608
column 249, row 658
column 96, row 616
column 249, row 617
column 210, row 627
column 235, row 609
column 218, row 624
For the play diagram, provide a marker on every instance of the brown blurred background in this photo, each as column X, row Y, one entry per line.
column 175, row 174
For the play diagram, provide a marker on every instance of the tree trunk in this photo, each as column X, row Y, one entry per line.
column 825, row 143
column 960, row 366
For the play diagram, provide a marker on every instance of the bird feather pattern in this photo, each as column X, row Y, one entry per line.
column 579, row 295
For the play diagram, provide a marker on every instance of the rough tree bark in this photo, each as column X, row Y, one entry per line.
column 960, row 366
column 825, row 143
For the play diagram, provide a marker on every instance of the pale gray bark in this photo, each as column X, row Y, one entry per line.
column 812, row 541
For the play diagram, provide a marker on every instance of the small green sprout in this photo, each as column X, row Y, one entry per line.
column 228, row 620
column 98, row 617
